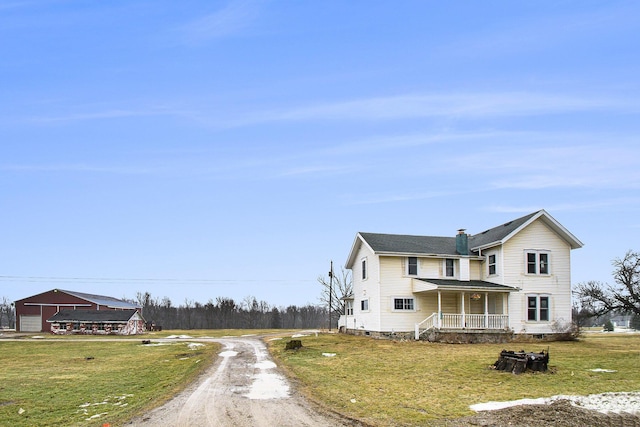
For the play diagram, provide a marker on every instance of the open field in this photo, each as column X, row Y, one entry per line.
column 90, row 382
column 55, row 381
column 414, row 383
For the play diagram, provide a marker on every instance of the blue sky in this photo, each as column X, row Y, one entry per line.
column 199, row 149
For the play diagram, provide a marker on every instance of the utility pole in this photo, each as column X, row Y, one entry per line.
column 330, row 293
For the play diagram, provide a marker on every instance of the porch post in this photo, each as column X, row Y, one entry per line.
column 464, row 320
column 486, row 310
column 439, row 320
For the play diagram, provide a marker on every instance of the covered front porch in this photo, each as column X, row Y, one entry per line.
column 463, row 306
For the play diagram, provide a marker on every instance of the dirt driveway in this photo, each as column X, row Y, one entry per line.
column 243, row 388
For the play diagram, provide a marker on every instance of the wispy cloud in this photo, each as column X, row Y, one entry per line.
column 374, row 199
column 544, row 32
column 106, row 114
column 577, row 206
column 235, row 17
column 450, row 106
column 79, row 167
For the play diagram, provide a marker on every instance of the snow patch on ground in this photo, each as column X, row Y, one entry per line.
column 194, row 345
column 622, row 402
column 267, row 384
column 181, row 337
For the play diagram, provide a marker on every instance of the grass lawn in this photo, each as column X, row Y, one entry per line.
column 89, row 382
column 414, row 383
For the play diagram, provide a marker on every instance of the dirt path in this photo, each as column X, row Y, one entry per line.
column 243, row 388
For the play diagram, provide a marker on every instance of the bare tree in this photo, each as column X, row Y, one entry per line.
column 7, row 315
column 599, row 298
column 336, row 290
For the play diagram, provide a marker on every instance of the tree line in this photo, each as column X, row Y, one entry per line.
column 221, row 313
column 226, row 313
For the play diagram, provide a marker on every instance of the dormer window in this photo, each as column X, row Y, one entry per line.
column 412, row 266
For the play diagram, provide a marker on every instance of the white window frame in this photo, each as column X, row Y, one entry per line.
column 417, row 273
column 538, row 254
column 405, row 300
column 444, row 267
column 538, row 307
column 364, row 305
column 364, row 264
column 493, row 264
column 348, row 307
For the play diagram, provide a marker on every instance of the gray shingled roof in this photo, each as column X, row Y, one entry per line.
column 472, row 284
column 438, row 245
column 102, row 300
column 498, row 233
column 99, row 316
column 398, row 243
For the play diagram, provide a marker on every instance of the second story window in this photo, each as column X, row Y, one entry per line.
column 412, row 266
column 492, row 264
column 537, row 262
column 449, row 268
column 364, row 269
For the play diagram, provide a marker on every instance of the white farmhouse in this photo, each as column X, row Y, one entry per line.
column 511, row 279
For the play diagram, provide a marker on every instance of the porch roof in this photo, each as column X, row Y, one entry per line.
column 95, row 316
column 426, row 285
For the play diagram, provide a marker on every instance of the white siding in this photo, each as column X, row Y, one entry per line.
column 398, row 285
column 465, row 269
column 557, row 284
column 475, row 270
column 368, row 288
column 431, row 268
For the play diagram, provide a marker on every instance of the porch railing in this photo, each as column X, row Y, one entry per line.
column 462, row 321
column 428, row 323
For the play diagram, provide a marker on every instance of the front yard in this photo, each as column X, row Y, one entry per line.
column 413, row 383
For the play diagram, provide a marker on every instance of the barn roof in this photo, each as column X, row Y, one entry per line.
column 102, row 300
column 98, row 316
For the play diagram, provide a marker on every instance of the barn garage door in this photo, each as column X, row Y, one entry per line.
column 30, row 323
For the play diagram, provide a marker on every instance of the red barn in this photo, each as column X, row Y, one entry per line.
column 32, row 312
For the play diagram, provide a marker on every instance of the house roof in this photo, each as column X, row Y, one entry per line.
column 469, row 284
column 102, row 300
column 99, row 316
column 400, row 244
column 502, row 233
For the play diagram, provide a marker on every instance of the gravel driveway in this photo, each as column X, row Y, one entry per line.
column 243, row 388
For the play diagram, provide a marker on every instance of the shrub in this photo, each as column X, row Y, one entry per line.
column 608, row 326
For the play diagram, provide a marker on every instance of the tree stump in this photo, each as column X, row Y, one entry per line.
column 293, row 345
column 521, row 361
